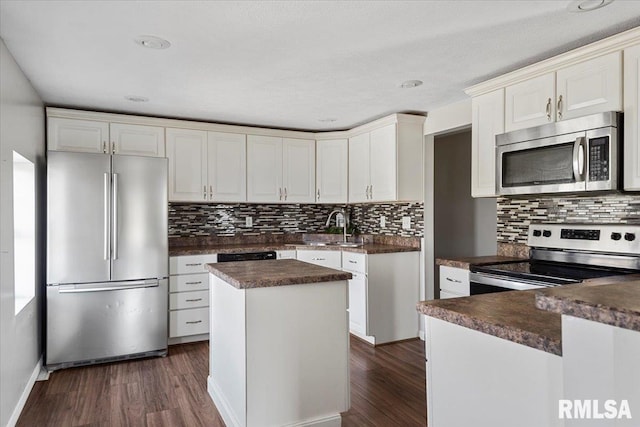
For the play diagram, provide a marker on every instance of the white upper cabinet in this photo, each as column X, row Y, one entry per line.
column 530, row 103
column 587, row 87
column 359, row 167
column 264, row 169
column 382, row 154
column 227, row 170
column 386, row 163
column 187, row 153
column 487, row 121
column 632, row 118
column 332, row 171
column 280, row 170
column 137, row 140
column 77, row 135
column 298, row 170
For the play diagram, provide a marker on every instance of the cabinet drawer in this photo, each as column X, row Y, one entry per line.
column 182, row 300
column 330, row 259
column 189, row 282
column 190, row 263
column 189, row 322
column 352, row 261
column 447, row 294
column 454, row 280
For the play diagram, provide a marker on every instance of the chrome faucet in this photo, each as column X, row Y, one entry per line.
column 345, row 221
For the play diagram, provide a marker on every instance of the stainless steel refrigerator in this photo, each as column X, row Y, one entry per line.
column 107, row 258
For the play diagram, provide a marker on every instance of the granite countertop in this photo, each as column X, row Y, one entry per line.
column 533, row 318
column 466, row 262
column 264, row 274
column 368, row 248
column 616, row 304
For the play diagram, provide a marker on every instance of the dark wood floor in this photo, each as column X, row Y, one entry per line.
column 387, row 389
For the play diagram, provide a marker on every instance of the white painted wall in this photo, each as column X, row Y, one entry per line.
column 22, row 124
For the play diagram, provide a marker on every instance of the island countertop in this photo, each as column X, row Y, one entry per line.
column 268, row 273
column 518, row 316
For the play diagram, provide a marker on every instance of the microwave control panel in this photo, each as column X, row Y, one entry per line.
column 599, row 159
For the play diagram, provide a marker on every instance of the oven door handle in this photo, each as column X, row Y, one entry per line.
column 579, row 151
column 514, row 284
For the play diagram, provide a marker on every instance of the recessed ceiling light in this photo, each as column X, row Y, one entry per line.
column 410, row 83
column 587, row 5
column 152, row 42
column 329, row 120
column 135, row 98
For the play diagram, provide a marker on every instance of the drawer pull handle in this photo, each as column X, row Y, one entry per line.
column 353, row 262
column 194, row 322
column 453, row 280
column 318, row 259
column 193, row 283
column 193, row 265
column 194, row 300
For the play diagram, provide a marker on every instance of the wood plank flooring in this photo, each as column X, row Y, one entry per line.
column 387, row 389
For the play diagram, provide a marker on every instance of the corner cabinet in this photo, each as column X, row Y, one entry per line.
column 332, row 171
column 632, row 118
column 588, row 87
column 386, row 162
column 89, row 136
column 487, row 121
column 280, row 169
column 206, row 166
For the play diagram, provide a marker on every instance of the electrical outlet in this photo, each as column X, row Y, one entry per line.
column 406, row 222
column 248, row 221
column 383, row 221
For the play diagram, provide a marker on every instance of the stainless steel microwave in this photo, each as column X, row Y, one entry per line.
column 569, row 156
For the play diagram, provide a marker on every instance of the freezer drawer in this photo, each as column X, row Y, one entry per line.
column 96, row 322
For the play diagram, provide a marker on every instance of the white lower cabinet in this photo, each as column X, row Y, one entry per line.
column 358, row 304
column 325, row 258
column 286, row 254
column 476, row 379
column 189, row 298
column 454, row 282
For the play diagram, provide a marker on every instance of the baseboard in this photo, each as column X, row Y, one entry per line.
column 221, row 403
column 330, row 421
column 188, row 339
column 25, row 394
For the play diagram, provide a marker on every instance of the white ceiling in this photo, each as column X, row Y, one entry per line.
column 287, row 64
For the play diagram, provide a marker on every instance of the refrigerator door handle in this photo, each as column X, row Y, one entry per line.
column 107, row 239
column 115, row 216
column 100, row 287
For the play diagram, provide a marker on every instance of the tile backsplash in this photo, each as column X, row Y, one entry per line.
column 515, row 215
column 198, row 219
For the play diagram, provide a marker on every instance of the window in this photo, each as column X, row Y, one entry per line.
column 24, row 231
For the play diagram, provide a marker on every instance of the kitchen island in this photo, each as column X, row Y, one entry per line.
column 512, row 358
column 279, row 343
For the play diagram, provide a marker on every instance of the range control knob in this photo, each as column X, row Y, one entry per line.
column 537, row 233
column 546, row 233
column 616, row 236
column 629, row 237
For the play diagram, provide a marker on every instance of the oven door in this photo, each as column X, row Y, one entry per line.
column 480, row 283
column 546, row 165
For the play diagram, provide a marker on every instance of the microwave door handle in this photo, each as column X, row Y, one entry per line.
column 578, row 158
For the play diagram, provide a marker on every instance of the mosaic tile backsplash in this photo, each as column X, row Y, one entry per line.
column 196, row 219
column 515, row 215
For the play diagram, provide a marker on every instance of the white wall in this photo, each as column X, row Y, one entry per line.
column 22, row 124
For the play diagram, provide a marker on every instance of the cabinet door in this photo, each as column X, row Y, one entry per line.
column 264, row 168
column 383, row 164
column 298, row 170
column 332, row 171
column 358, row 304
column 137, row 140
column 359, row 179
column 590, row 87
column 487, row 122
column 187, row 153
column 227, row 171
column 77, row 135
column 632, row 118
column 530, row 103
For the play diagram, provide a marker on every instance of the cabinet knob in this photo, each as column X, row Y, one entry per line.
column 318, row 194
